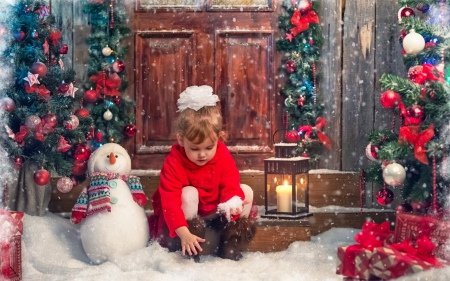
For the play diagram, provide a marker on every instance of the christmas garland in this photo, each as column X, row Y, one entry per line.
column 108, row 80
column 301, row 45
column 40, row 102
column 416, row 155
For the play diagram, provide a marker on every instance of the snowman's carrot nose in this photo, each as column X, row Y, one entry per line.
column 112, row 158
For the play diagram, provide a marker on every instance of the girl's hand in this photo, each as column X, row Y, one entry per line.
column 189, row 242
column 232, row 207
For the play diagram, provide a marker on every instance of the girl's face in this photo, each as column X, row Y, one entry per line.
column 201, row 153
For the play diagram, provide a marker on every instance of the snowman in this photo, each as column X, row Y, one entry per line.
column 113, row 222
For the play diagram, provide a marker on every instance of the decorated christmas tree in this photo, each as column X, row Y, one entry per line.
column 111, row 111
column 41, row 100
column 413, row 153
column 301, row 47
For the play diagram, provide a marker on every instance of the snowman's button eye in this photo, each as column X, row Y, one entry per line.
column 117, row 156
column 107, row 156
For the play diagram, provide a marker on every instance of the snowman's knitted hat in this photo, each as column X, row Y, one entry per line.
column 104, row 150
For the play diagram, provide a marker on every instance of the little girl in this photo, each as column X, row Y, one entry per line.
column 199, row 182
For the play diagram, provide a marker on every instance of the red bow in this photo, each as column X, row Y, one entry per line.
column 55, row 36
column 320, row 122
column 20, row 136
column 373, row 235
column 423, row 250
column 63, row 145
column 108, row 86
column 42, row 91
column 418, row 139
column 302, row 22
column 42, row 129
column 428, row 73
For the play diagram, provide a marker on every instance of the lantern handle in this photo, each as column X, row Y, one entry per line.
column 273, row 136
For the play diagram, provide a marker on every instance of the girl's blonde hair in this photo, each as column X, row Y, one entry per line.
column 198, row 125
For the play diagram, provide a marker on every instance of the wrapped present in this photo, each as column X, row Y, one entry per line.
column 403, row 258
column 354, row 260
column 412, row 225
column 11, row 229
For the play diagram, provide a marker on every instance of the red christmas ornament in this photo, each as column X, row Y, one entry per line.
column 420, row 207
column 117, row 101
column 403, row 208
column 7, row 104
column 63, row 49
column 304, row 6
column 63, row 87
column 41, row 177
column 129, row 130
column 290, row 66
column 18, row 161
column 81, row 152
column 405, row 12
column 90, row 96
column 292, row 136
column 64, row 185
column 50, row 119
column 415, row 73
column 82, row 112
column 385, row 196
column 19, row 36
column 79, row 168
column 414, row 115
column 372, row 152
column 390, row 99
column 39, row 68
column 118, row 66
column 73, row 123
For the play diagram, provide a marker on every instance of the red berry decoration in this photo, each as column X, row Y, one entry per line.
column 19, row 36
column 90, row 96
column 292, row 136
column 290, row 66
column 117, row 101
column 385, row 197
column 129, row 130
column 81, row 152
column 39, row 68
column 118, row 66
column 82, row 112
column 63, row 87
column 414, row 115
column 390, row 99
column 41, row 177
column 50, row 119
column 63, row 49
column 304, row 6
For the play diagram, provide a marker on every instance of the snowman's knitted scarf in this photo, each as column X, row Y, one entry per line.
column 96, row 197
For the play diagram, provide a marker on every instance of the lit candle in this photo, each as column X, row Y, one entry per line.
column 284, row 197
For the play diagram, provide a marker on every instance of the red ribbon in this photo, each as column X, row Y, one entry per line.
column 423, row 250
column 42, row 129
column 302, row 22
column 42, row 91
column 108, row 86
column 320, row 122
column 55, row 36
column 428, row 73
column 418, row 139
column 20, row 136
column 63, row 145
column 373, row 235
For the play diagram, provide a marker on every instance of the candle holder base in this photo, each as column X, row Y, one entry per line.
column 287, row 216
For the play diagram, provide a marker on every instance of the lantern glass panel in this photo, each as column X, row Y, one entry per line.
column 301, row 184
column 279, row 193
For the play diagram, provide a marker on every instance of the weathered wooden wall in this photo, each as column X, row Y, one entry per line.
column 361, row 43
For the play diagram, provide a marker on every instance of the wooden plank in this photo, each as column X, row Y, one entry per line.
column 329, row 84
column 81, row 30
column 63, row 12
column 357, row 81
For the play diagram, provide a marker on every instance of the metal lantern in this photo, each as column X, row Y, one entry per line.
column 286, row 184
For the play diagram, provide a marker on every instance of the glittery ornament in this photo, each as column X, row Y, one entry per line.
column 32, row 121
column 64, row 185
column 7, row 104
column 372, row 152
column 73, row 123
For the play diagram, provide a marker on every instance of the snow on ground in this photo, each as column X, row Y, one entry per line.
column 52, row 250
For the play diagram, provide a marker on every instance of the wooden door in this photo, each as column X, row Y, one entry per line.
column 227, row 44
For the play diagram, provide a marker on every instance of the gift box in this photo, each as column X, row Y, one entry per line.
column 354, row 260
column 410, row 226
column 401, row 259
column 11, row 229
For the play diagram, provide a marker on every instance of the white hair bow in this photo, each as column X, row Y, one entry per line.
column 196, row 97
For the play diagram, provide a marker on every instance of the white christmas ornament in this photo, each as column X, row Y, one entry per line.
column 107, row 51
column 394, row 174
column 413, row 43
column 107, row 115
column 104, row 234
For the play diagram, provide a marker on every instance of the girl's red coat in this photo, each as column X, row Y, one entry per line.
column 216, row 182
